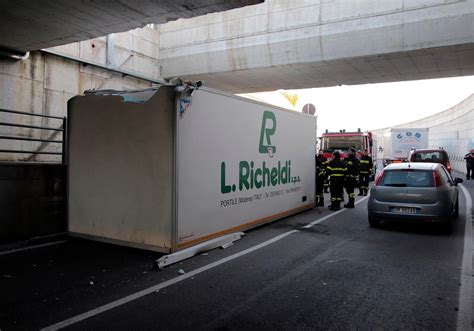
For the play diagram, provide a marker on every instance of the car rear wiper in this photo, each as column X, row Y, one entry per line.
column 397, row 185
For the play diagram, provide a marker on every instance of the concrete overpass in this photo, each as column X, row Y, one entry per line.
column 317, row 43
column 27, row 25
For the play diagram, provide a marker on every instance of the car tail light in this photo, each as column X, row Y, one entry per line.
column 436, row 179
column 448, row 166
column 379, row 178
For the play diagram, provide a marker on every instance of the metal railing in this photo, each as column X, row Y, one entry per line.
column 44, row 142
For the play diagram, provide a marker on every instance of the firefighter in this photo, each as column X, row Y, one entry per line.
column 365, row 171
column 326, row 177
column 320, row 176
column 352, row 175
column 336, row 171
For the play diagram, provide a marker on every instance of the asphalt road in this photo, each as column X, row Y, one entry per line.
column 337, row 274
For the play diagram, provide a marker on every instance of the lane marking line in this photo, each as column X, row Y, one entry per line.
column 160, row 286
column 310, row 225
column 137, row 295
column 32, row 247
column 464, row 318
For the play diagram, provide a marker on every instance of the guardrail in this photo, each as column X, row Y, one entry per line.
column 62, row 128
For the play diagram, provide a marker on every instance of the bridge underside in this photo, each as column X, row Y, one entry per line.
column 27, row 25
column 316, row 43
column 430, row 63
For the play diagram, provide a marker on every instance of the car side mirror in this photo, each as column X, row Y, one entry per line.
column 457, row 181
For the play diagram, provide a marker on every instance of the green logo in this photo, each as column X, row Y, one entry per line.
column 268, row 130
column 260, row 175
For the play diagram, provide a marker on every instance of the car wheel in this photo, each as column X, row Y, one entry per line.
column 456, row 209
column 374, row 222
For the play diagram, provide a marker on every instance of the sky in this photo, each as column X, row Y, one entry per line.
column 375, row 106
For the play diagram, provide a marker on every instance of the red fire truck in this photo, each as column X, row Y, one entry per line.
column 341, row 141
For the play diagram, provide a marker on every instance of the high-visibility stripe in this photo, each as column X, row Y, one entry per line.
column 364, row 161
column 337, row 175
column 337, row 169
column 364, row 172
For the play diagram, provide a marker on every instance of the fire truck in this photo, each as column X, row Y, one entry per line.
column 341, row 141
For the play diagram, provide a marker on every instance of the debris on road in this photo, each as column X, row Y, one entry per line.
column 181, row 271
column 335, row 261
column 227, row 245
column 91, row 283
column 223, row 242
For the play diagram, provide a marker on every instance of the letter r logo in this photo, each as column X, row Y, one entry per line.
column 268, row 130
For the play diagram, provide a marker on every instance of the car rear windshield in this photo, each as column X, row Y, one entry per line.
column 435, row 157
column 407, row 178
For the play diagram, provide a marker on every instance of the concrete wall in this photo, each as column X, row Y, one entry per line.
column 44, row 83
column 452, row 129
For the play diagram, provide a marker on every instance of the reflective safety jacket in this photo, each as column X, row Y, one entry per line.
column 321, row 166
column 352, row 164
column 336, row 169
column 366, row 164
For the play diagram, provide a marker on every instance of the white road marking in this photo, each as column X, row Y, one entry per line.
column 160, row 286
column 464, row 320
column 32, row 247
column 178, row 279
column 330, row 215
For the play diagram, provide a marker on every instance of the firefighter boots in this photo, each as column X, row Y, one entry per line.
column 335, row 206
column 350, row 204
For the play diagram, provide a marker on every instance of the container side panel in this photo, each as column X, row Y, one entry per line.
column 121, row 169
column 240, row 164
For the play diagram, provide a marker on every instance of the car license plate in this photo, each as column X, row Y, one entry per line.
column 403, row 210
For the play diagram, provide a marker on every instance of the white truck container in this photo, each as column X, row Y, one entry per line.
column 397, row 143
column 166, row 170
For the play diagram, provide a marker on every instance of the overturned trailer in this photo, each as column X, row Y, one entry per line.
column 171, row 167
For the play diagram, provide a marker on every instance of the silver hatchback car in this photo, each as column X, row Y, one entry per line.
column 423, row 192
